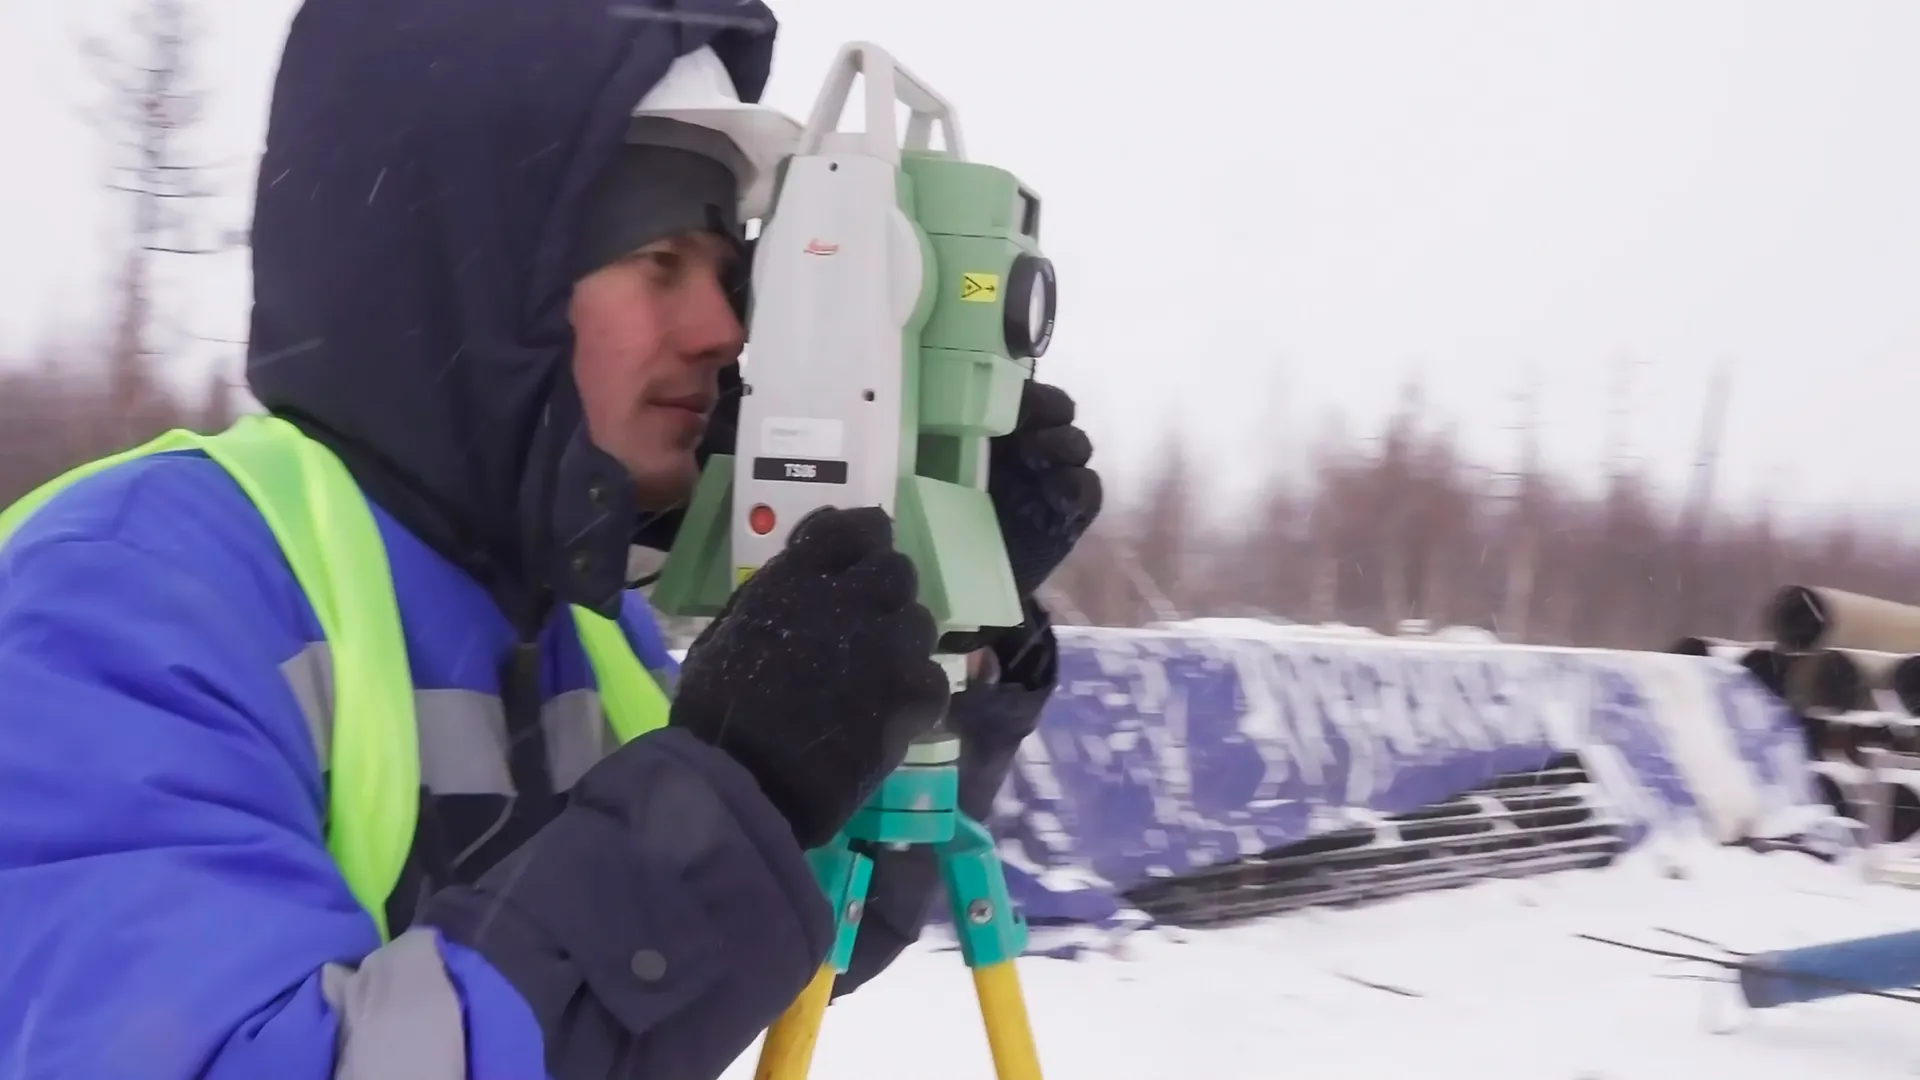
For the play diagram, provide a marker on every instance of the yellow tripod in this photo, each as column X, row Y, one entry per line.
column 918, row 804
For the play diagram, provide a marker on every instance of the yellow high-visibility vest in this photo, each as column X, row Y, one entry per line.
column 328, row 535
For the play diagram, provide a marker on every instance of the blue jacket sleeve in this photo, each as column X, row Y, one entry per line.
column 661, row 920
column 168, row 909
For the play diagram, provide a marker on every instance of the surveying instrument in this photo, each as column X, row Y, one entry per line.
column 899, row 301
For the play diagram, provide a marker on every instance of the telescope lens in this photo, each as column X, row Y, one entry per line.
column 1031, row 306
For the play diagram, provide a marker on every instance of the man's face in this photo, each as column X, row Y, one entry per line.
column 651, row 335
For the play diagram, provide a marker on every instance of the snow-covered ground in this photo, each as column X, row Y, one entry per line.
column 1483, row 983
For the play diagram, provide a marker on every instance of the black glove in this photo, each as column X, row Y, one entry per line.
column 1042, row 490
column 819, row 671
column 1046, row 498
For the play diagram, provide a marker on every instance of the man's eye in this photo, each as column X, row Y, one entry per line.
column 665, row 260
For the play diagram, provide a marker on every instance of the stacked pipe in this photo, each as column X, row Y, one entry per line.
column 1767, row 664
column 1858, row 645
column 1830, row 650
column 1849, row 667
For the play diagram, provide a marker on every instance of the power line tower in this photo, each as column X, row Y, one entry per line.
column 1602, row 613
column 1694, row 512
column 1516, row 492
column 1523, row 428
column 1620, row 458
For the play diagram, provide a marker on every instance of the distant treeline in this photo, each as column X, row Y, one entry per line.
column 1404, row 527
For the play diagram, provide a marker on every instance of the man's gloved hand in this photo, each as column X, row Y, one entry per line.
column 1045, row 497
column 1042, row 490
column 818, row 672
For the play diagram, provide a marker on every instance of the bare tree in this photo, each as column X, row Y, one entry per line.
column 148, row 111
column 1399, row 522
column 1165, row 530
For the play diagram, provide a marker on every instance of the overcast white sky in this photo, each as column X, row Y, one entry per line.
column 1263, row 210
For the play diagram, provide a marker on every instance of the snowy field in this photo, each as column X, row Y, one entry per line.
column 1484, row 983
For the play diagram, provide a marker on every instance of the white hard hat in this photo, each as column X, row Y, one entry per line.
column 698, row 90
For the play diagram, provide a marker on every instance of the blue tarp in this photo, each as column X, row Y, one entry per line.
column 1166, row 751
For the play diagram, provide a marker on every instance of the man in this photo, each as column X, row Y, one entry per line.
column 519, row 397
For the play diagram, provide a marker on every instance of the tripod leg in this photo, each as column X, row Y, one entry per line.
column 991, row 935
column 787, row 1051
column 1003, row 1008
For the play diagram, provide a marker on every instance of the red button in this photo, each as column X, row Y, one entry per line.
column 760, row 519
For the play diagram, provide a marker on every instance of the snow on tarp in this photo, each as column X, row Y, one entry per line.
column 1170, row 750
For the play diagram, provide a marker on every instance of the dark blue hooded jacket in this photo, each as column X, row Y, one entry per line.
column 167, row 905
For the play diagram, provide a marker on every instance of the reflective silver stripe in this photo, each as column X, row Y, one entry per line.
column 310, row 673
column 463, row 742
column 577, row 736
column 399, row 1014
column 463, row 733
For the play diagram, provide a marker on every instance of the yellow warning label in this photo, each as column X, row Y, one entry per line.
column 980, row 288
column 741, row 574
